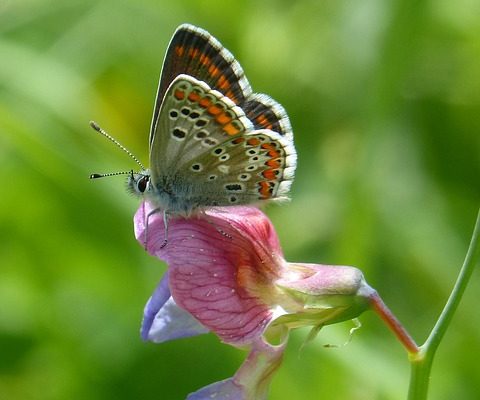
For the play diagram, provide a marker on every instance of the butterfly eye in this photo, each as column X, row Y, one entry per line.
column 143, row 183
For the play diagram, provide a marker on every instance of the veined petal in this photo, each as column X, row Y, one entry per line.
column 227, row 274
column 219, row 265
column 163, row 320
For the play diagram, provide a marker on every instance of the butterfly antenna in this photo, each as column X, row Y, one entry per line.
column 95, row 126
column 95, row 176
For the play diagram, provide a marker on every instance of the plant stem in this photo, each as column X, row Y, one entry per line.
column 393, row 323
column 421, row 362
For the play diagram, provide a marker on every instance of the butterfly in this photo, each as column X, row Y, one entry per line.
column 213, row 141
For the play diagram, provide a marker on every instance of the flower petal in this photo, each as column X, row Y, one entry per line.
column 171, row 322
column 163, row 320
column 250, row 222
column 318, row 295
column 252, row 380
column 154, row 304
column 223, row 390
column 217, row 262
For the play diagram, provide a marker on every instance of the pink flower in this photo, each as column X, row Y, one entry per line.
column 227, row 275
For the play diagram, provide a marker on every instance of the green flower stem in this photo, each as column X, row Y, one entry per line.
column 421, row 362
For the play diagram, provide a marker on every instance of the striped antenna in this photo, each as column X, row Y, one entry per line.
column 95, row 176
column 95, row 126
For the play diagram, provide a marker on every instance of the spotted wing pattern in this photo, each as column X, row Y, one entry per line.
column 249, row 168
column 193, row 119
column 207, row 152
column 212, row 140
column 193, row 51
column 264, row 112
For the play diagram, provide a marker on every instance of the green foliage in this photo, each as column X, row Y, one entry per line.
column 384, row 98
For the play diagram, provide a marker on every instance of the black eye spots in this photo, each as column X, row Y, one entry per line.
column 179, row 134
column 209, row 142
column 173, row 114
column 197, row 167
column 194, row 115
column 201, row 135
column 200, row 123
column 234, row 187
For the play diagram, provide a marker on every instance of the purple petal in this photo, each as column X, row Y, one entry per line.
column 154, row 304
column 171, row 322
column 253, row 378
column 163, row 320
column 223, row 390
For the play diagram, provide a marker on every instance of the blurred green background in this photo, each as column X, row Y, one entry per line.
column 384, row 98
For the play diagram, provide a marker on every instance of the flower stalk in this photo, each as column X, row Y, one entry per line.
column 394, row 324
column 421, row 362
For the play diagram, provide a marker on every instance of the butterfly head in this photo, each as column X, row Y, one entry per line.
column 138, row 183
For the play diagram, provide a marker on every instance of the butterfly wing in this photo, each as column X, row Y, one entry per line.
column 192, row 120
column 205, row 152
column 266, row 113
column 193, row 51
column 246, row 169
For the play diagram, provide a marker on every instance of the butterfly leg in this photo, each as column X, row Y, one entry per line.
column 217, row 228
column 165, row 221
column 223, row 233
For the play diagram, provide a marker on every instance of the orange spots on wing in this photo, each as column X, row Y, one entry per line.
column 231, row 130
column 223, row 118
column 214, row 110
column 194, row 97
column 271, row 150
column 192, row 52
column 273, row 163
column 266, row 189
column 179, row 50
column 263, row 121
column 269, row 174
column 268, row 146
column 231, row 96
column 273, row 154
column 179, row 94
column 237, row 140
column 223, row 82
column 205, row 102
column 253, row 142
column 213, row 70
column 205, row 60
